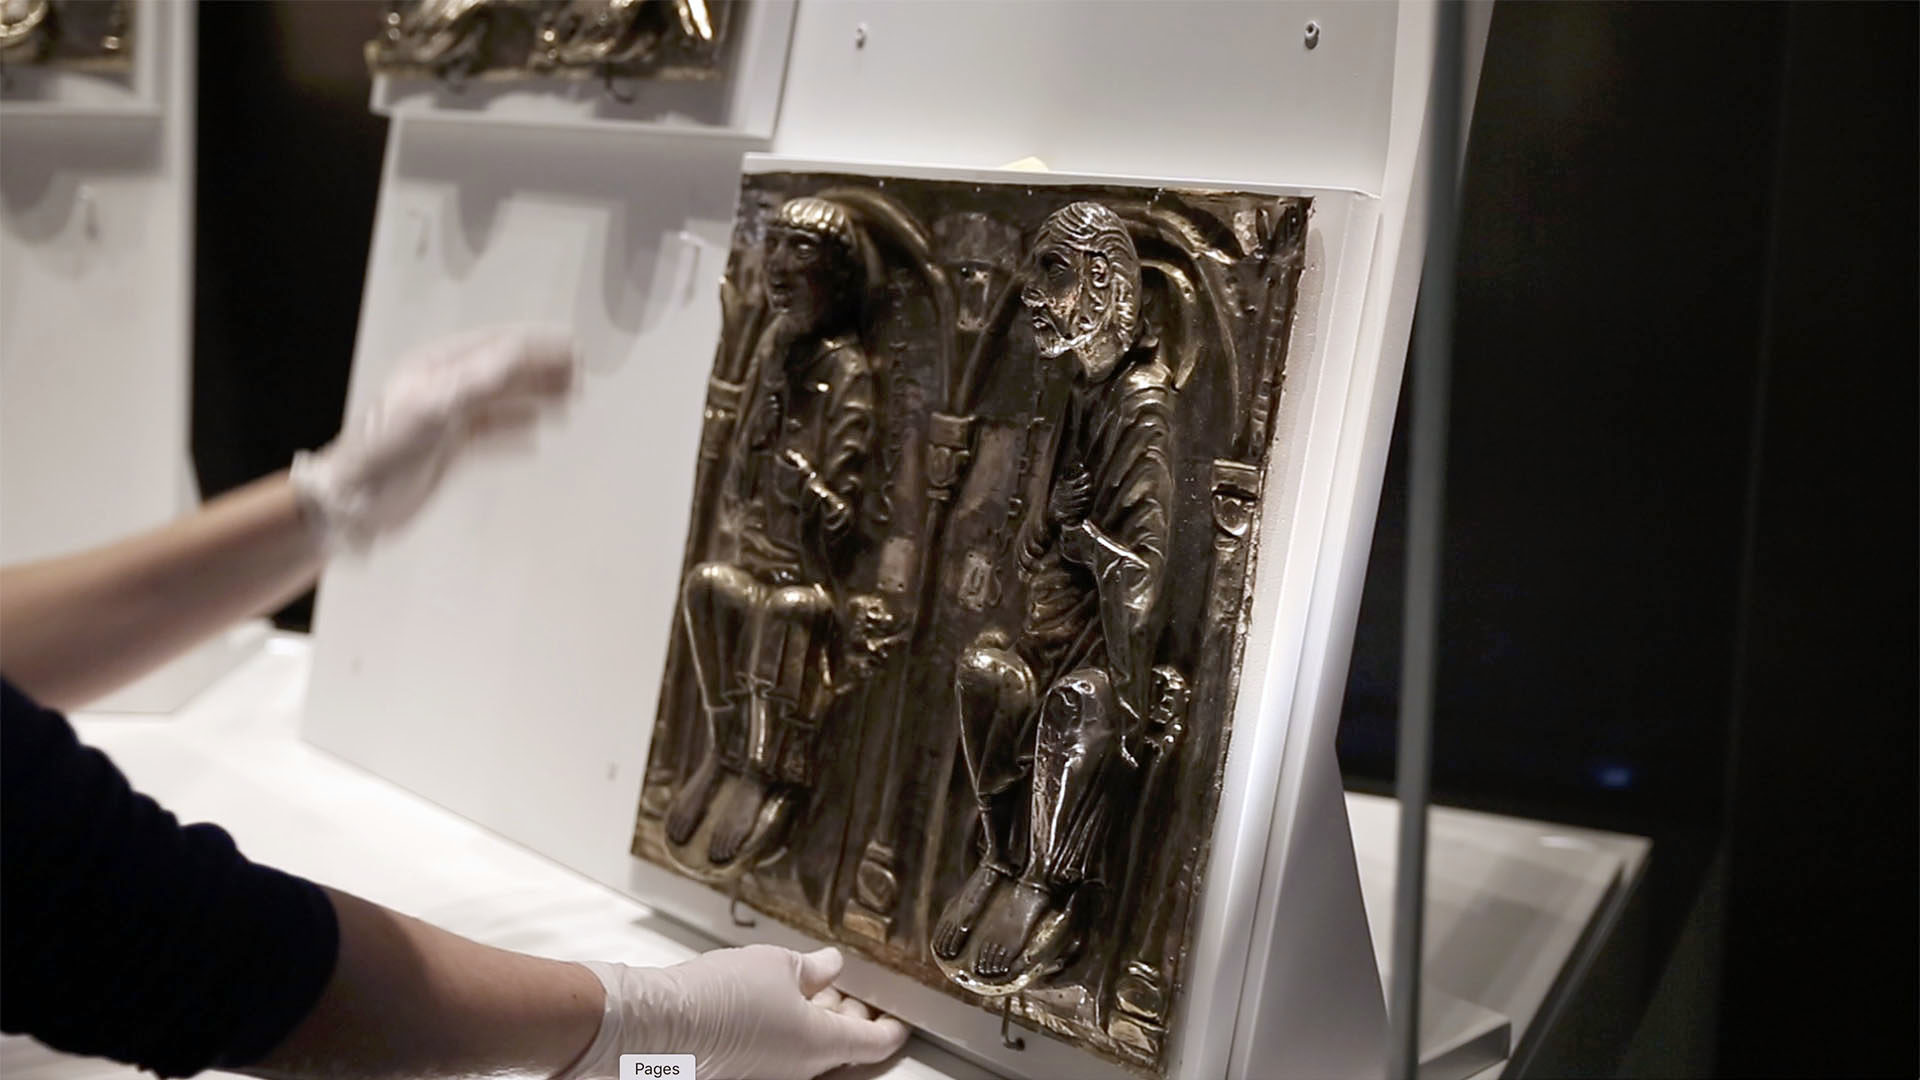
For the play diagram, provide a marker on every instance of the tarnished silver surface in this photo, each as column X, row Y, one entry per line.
column 607, row 40
column 966, row 583
column 90, row 35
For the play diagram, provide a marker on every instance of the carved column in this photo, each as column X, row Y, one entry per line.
column 876, row 882
column 1141, row 993
column 667, row 760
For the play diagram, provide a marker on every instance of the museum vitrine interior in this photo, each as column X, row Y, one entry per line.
column 962, row 614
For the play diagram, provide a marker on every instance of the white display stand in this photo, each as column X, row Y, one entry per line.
column 96, row 273
column 503, row 658
column 742, row 102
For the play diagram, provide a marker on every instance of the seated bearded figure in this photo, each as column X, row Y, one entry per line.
column 1048, row 719
column 761, row 620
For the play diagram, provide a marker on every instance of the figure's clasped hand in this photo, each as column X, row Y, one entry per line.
column 757, row 1013
column 485, row 385
column 1068, row 502
column 834, row 511
column 835, row 514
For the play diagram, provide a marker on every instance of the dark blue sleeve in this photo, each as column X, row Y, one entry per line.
column 124, row 934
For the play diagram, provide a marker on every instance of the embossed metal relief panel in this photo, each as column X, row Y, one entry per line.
column 606, row 40
column 86, row 35
column 959, row 630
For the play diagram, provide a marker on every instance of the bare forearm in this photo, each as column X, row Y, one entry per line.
column 76, row 627
column 410, row 1000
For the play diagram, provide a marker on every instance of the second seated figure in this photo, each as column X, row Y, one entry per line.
column 1051, row 721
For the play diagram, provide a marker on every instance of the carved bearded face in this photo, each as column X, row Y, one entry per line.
column 809, row 265
column 1082, row 288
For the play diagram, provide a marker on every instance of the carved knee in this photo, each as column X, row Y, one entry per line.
column 802, row 604
column 717, row 582
column 787, row 652
column 713, row 598
column 1085, row 685
column 995, row 671
column 1081, row 699
column 994, row 690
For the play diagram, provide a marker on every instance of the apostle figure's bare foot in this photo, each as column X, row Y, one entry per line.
column 1003, row 936
column 956, row 919
column 689, row 805
column 737, row 816
column 772, row 818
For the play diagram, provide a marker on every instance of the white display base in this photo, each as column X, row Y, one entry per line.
column 1459, row 1039
column 1511, row 905
column 741, row 103
column 1517, row 908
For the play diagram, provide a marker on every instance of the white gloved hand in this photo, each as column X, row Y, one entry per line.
column 442, row 397
column 758, row 1013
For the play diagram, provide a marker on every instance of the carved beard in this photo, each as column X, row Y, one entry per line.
column 800, row 308
column 1083, row 322
column 1096, row 343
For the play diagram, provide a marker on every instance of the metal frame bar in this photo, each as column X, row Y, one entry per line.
column 1431, row 366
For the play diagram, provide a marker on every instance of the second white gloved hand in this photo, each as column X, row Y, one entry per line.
column 443, row 396
column 757, row 1013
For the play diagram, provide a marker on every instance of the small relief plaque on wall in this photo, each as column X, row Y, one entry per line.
column 960, row 624
column 604, row 40
column 81, row 35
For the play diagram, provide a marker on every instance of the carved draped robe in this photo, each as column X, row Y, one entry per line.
column 1121, row 433
column 1080, row 630
column 760, row 620
column 822, row 409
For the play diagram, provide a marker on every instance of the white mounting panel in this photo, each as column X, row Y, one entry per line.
column 1227, row 92
column 34, row 91
column 741, row 103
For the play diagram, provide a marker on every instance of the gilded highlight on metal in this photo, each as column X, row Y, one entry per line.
column 80, row 35
column 494, row 40
column 965, row 592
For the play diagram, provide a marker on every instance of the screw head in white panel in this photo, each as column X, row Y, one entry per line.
column 860, row 36
column 1312, row 36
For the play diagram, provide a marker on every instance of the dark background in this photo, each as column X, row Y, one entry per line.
column 1679, row 593
column 1679, row 575
column 288, row 170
